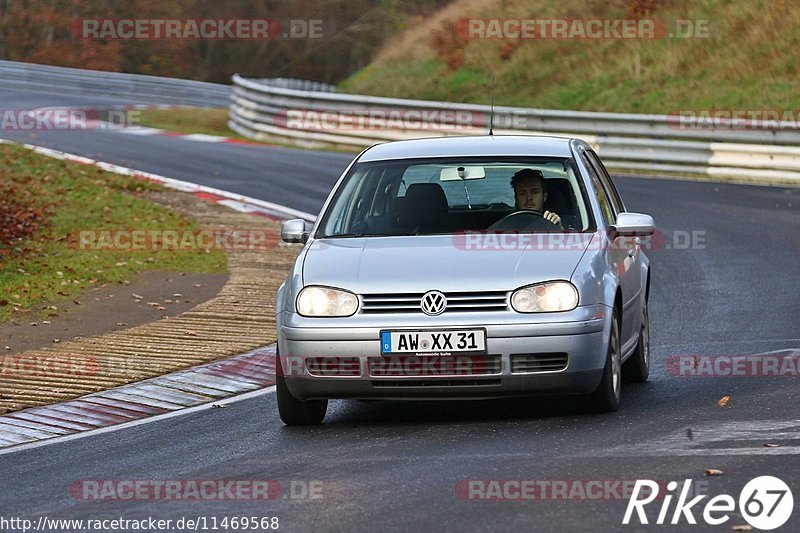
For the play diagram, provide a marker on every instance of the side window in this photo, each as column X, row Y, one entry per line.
column 602, row 197
column 619, row 207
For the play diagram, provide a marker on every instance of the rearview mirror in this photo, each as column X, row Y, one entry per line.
column 633, row 224
column 462, row 173
column 294, row 231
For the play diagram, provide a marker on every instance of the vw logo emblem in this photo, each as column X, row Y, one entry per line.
column 433, row 303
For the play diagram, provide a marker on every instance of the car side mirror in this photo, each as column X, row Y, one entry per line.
column 294, row 231
column 630, row 224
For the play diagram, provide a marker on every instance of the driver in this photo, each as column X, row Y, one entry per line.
column 530, row 192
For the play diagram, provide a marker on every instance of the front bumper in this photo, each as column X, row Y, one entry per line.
column 581, row 344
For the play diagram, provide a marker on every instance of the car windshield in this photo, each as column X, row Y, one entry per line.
column 448, row 196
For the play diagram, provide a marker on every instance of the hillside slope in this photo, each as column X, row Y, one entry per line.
column 749, row 60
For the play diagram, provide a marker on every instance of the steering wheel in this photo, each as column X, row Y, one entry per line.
column 524, row 219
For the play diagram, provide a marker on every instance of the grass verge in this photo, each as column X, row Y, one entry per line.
column 741, row 60
column 214, row 121
column 49, row 264
column 206, row 120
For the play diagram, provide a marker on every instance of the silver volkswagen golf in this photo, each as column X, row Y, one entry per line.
column 465, row 267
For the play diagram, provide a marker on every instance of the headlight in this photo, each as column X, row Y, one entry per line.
column 545, row 297
column 325, row 301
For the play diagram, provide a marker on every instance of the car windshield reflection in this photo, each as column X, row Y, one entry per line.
column 449, row 196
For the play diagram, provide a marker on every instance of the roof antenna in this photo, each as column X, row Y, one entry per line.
column 491, row 113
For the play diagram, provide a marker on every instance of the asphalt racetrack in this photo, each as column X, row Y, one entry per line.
column 725, row 283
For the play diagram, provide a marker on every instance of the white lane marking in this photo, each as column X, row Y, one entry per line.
column 202, row 137
column 243, row 207
column 138, row 130
column 746, row 437
column 713, row 343
column 125, row 425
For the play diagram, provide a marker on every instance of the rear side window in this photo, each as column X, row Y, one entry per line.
column 605, row 179
column 602, row 197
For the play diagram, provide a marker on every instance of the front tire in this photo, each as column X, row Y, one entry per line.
column 606, row 397
column 294, row 412
column 637, row 368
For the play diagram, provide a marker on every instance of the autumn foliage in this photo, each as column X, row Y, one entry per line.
column 642, row 8
column 448, row 43
column 18, row 220
column 39, row 31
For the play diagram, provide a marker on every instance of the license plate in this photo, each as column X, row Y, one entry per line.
column 441, row 342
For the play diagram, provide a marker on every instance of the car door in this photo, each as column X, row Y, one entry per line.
column 623, row 253
column 631, row 244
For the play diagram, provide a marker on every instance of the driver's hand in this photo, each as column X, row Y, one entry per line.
column 552, row 217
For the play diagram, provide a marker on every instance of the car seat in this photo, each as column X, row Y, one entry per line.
column 422, row 209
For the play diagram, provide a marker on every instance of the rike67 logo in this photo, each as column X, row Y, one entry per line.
column 765, row 502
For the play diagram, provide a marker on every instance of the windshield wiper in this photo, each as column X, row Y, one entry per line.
column 358, row 235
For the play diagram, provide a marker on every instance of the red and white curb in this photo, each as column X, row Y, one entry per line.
column 195, row 386
column 234, row 378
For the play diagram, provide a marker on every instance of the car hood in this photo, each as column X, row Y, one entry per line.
column 442, row 262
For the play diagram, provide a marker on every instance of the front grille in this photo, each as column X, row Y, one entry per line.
column 437, row 383
column 433, row 367
column 523, row 363
column 457, row 302
column 333, row 366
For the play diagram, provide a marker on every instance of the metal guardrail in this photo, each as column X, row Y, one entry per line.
column 159, row 90
column 262, row 109
column 627, row 142
column 156, row 89
column 297, row 84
